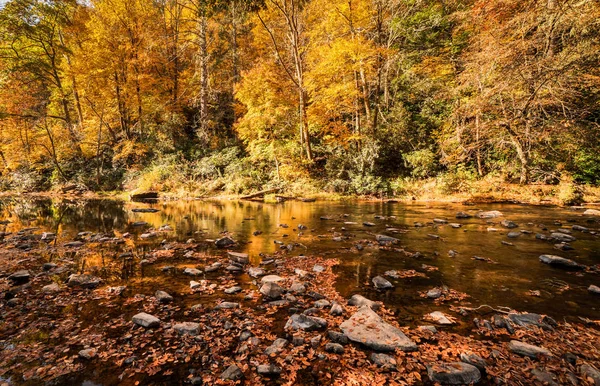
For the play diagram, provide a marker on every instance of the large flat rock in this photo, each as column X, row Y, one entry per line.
column 368, row 328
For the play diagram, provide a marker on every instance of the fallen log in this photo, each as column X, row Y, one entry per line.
column 261, row 193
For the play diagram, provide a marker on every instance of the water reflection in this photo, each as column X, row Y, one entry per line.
column 514, row 271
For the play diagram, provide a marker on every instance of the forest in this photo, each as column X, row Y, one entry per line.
column 353, row 97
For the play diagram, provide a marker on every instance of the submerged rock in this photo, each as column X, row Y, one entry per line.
column 84, row 281
column 146, row 320
column 560, row 262
column 381, row 283
column 455, row 373
column 368, row 328
column 359, row 301
column 489, row 214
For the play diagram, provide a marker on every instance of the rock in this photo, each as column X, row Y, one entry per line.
column 368, row 224
column 192, row 272
column 509, row 224
column 528, row 350
column 335, row 348
column 592, row 212
column 146, row 320
column 463, row 215
column 163, row 297
column 439, row 318
column 359, row 301
column 298, row 288
column 47, row 236
column 20, row 277
column 49, row 266
column 74, row 244
column 240, row 258
column 434, row 293
column 54, row 287
column 232, row 373
column 233, row 290
column 382, row 283
column 195, row 284
column 474, row 360
column 384, row 360
column 271, row 279
column 214, row 266
column 318, row 268
column 149, row 235
column 256, row 272
column 530, row 319
column 368, row 328
column 224, row 242
column 564, row 247
column 271, row 290
column 440, row 221
column 489, row 214
column 594, row 289
column 336, row 310
column 322, row 303
column 187, row 328
column 430, row 329
column 455, row 225
column 560, row 262
column 337, row 337
column 84, row 281
column 233, row 268
column 315, row 341
column 276, row 347
column 386, row 239
column 454, row 373
column 590, row 372
column 513, row 235
column 562, row 237
column 580, row 228
column 87, row 353
column 545, row 377
column 268, row 370
column 303, row 322
column 227, row 305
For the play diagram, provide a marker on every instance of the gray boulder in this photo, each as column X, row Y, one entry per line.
column 454, row 373
column 359, row 301
column 187, row 328
column 232, row 373
column 271, row 290
column 368, row 328
column 163, row 297
column 528, row 350
column 268, row 370
column 489, row 214
column 382, row 283
column 560, row 262
column 83, row 281
column 304, row 322
column 563, row 237
column 146, row 320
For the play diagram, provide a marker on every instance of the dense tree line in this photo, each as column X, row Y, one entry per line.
column 350, row 96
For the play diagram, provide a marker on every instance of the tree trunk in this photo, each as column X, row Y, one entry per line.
column 202, row 67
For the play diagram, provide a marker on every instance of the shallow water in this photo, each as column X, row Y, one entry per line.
column 515, row 271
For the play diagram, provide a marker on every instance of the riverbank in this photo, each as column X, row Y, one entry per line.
column 417, row 190
column 275, row 320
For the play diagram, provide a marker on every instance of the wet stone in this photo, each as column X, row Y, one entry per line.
column 232, row 373
column 256, row 272
column 513, row 235
column 529, row 350
column 508, row 224
column 386, row 239
column 233, row 290
column 359, row 301
column 146, row 320
column 240, row 258
column 594, row 289
column 224, row 242
column 439, row 318
column 368, row 328
column 489, row 214
column 560, row 262
column 192, row 271
column 163, row 297
column 382, row 283
column 463, row 215
column 455, row 373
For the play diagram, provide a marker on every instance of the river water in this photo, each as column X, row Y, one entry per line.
column 335, row 229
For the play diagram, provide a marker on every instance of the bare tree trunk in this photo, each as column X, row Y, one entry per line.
column 478, row 146
column 202, row 67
